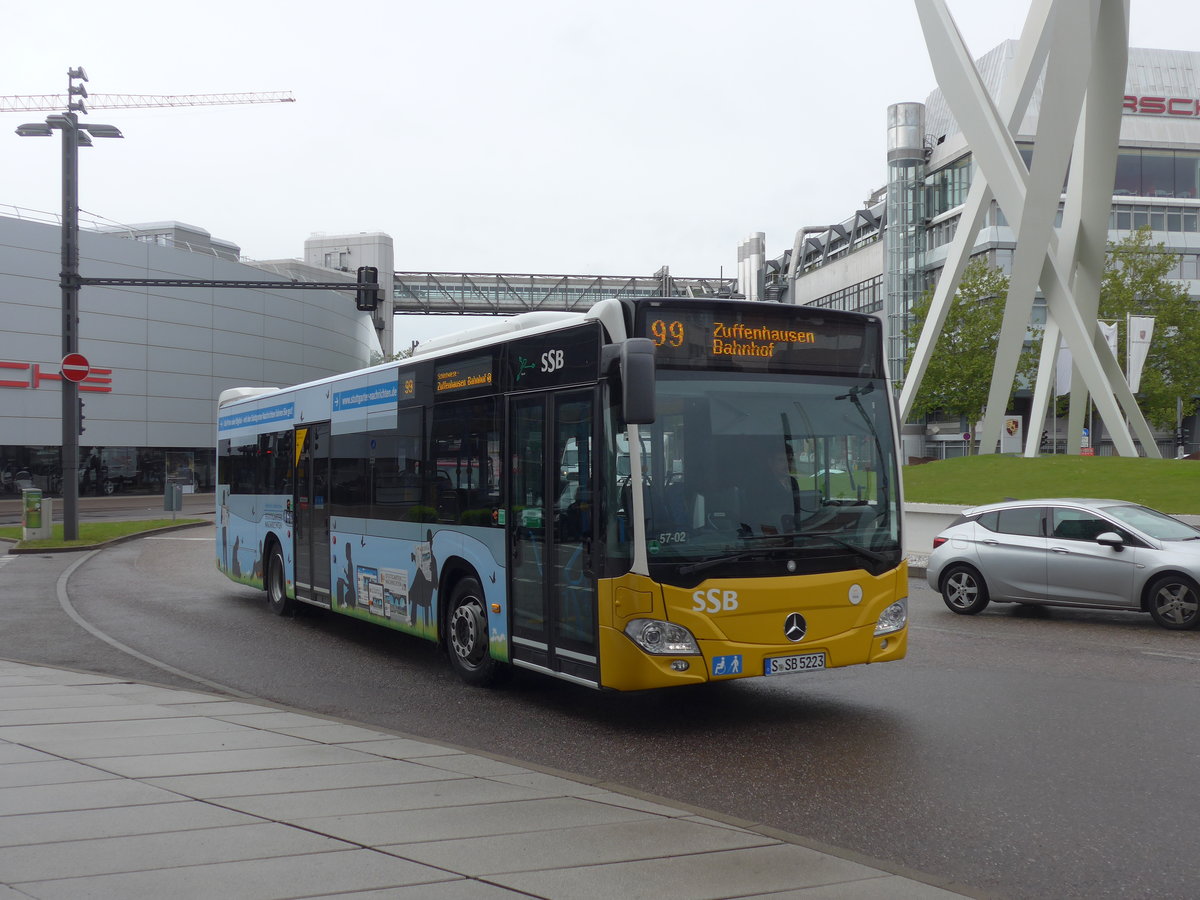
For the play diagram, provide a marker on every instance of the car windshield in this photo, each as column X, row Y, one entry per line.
column 1158, row 525
column 752, row 467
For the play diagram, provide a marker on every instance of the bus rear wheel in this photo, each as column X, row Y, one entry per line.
column 277, row 599
column 467, row 635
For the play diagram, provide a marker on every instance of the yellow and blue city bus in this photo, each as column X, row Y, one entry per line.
column 656, row 492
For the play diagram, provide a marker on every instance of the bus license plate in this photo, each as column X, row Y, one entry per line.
column 785, row 665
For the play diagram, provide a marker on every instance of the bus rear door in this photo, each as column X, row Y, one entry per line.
column 312, row 513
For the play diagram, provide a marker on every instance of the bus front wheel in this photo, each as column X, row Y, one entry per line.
column 467, row 635
column 277, row 599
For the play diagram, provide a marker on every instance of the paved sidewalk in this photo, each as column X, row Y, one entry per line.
column 118, row 789
column 123, row 790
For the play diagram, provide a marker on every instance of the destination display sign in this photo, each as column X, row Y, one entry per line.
column 462, row 375
column 766, row 337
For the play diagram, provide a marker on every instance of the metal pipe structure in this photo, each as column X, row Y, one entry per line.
column 756, row 258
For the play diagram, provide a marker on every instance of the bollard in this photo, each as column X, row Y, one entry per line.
column 173, row 498
column 35, row 515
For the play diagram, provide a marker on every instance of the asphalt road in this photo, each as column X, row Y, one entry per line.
column 1022, row 754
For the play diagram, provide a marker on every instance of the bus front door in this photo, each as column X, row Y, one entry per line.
column 551, row 524
column 311, row 515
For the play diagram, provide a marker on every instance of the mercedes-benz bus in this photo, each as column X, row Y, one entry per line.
column 656, row 492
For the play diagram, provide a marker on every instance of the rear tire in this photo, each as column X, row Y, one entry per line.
column 964, row 590
column 1174, row 602
column 277, row 599
column 467, row 639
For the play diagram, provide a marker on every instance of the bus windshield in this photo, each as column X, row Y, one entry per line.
column 741, row 467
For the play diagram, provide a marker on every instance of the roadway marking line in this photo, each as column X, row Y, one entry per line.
column 65, row 602
column 1190, row 657
column 206, row 540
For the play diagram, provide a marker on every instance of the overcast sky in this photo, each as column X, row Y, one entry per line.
column 545, row 136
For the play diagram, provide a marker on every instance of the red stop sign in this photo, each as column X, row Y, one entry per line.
column 75, row 367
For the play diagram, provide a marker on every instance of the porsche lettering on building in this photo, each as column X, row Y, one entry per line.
column 1161, row 106
column 31, row 375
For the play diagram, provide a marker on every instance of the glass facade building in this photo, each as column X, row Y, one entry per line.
column 1157, row 184
column 904, row 238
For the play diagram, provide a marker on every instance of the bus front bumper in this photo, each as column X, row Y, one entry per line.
column 626, row 667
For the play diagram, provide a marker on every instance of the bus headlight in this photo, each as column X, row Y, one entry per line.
column 662, row 638
column 893, row 618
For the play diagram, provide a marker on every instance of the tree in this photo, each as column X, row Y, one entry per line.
column 1135, row 281
column 959, row 374
column 404, row 353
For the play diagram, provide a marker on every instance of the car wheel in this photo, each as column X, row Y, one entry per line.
column 964, row 590
column 467, row 636
column 1174, row 602
column 277, row 599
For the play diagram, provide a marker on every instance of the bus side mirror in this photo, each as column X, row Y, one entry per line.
column 636, row 361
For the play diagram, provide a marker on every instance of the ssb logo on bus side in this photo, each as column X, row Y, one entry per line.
column 552, row 360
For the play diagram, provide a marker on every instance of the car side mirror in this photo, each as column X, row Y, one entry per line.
column 1110, row 539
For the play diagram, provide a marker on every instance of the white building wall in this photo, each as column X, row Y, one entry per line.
column 853, row 268
column 171, row 350
column 345, row 253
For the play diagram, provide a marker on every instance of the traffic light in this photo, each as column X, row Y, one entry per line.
column 81, row 416
column 367, row 296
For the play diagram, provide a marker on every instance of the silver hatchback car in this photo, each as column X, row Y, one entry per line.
column 1105, row 554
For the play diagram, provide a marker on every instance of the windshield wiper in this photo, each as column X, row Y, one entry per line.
column 864, row 552
column 717, row 560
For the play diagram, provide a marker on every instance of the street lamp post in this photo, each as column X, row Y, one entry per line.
column 74, row 136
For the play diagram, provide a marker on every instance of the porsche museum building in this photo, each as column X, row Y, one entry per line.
column 882, row 257
column 158, row 357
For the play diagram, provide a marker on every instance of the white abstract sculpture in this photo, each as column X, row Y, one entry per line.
column 1083, row 47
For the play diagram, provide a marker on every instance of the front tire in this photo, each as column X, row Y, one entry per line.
column 467, row 635
column 964, row 590
column 1174, row 602
column 277, row 599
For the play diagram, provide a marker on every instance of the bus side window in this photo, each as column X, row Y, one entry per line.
column 465, row 439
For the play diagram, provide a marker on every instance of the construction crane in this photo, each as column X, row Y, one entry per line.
column 52, row 102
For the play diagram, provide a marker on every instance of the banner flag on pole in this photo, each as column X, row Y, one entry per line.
column 1110, row 336
column 1138, row 331
column 1062, row 369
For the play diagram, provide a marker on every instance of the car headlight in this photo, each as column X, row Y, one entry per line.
column 893, row 618
column 662, row 638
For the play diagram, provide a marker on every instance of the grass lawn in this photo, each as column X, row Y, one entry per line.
column 93, row 532
column 1167, row 484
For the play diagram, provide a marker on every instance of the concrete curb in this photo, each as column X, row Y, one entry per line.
column 17, row 549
